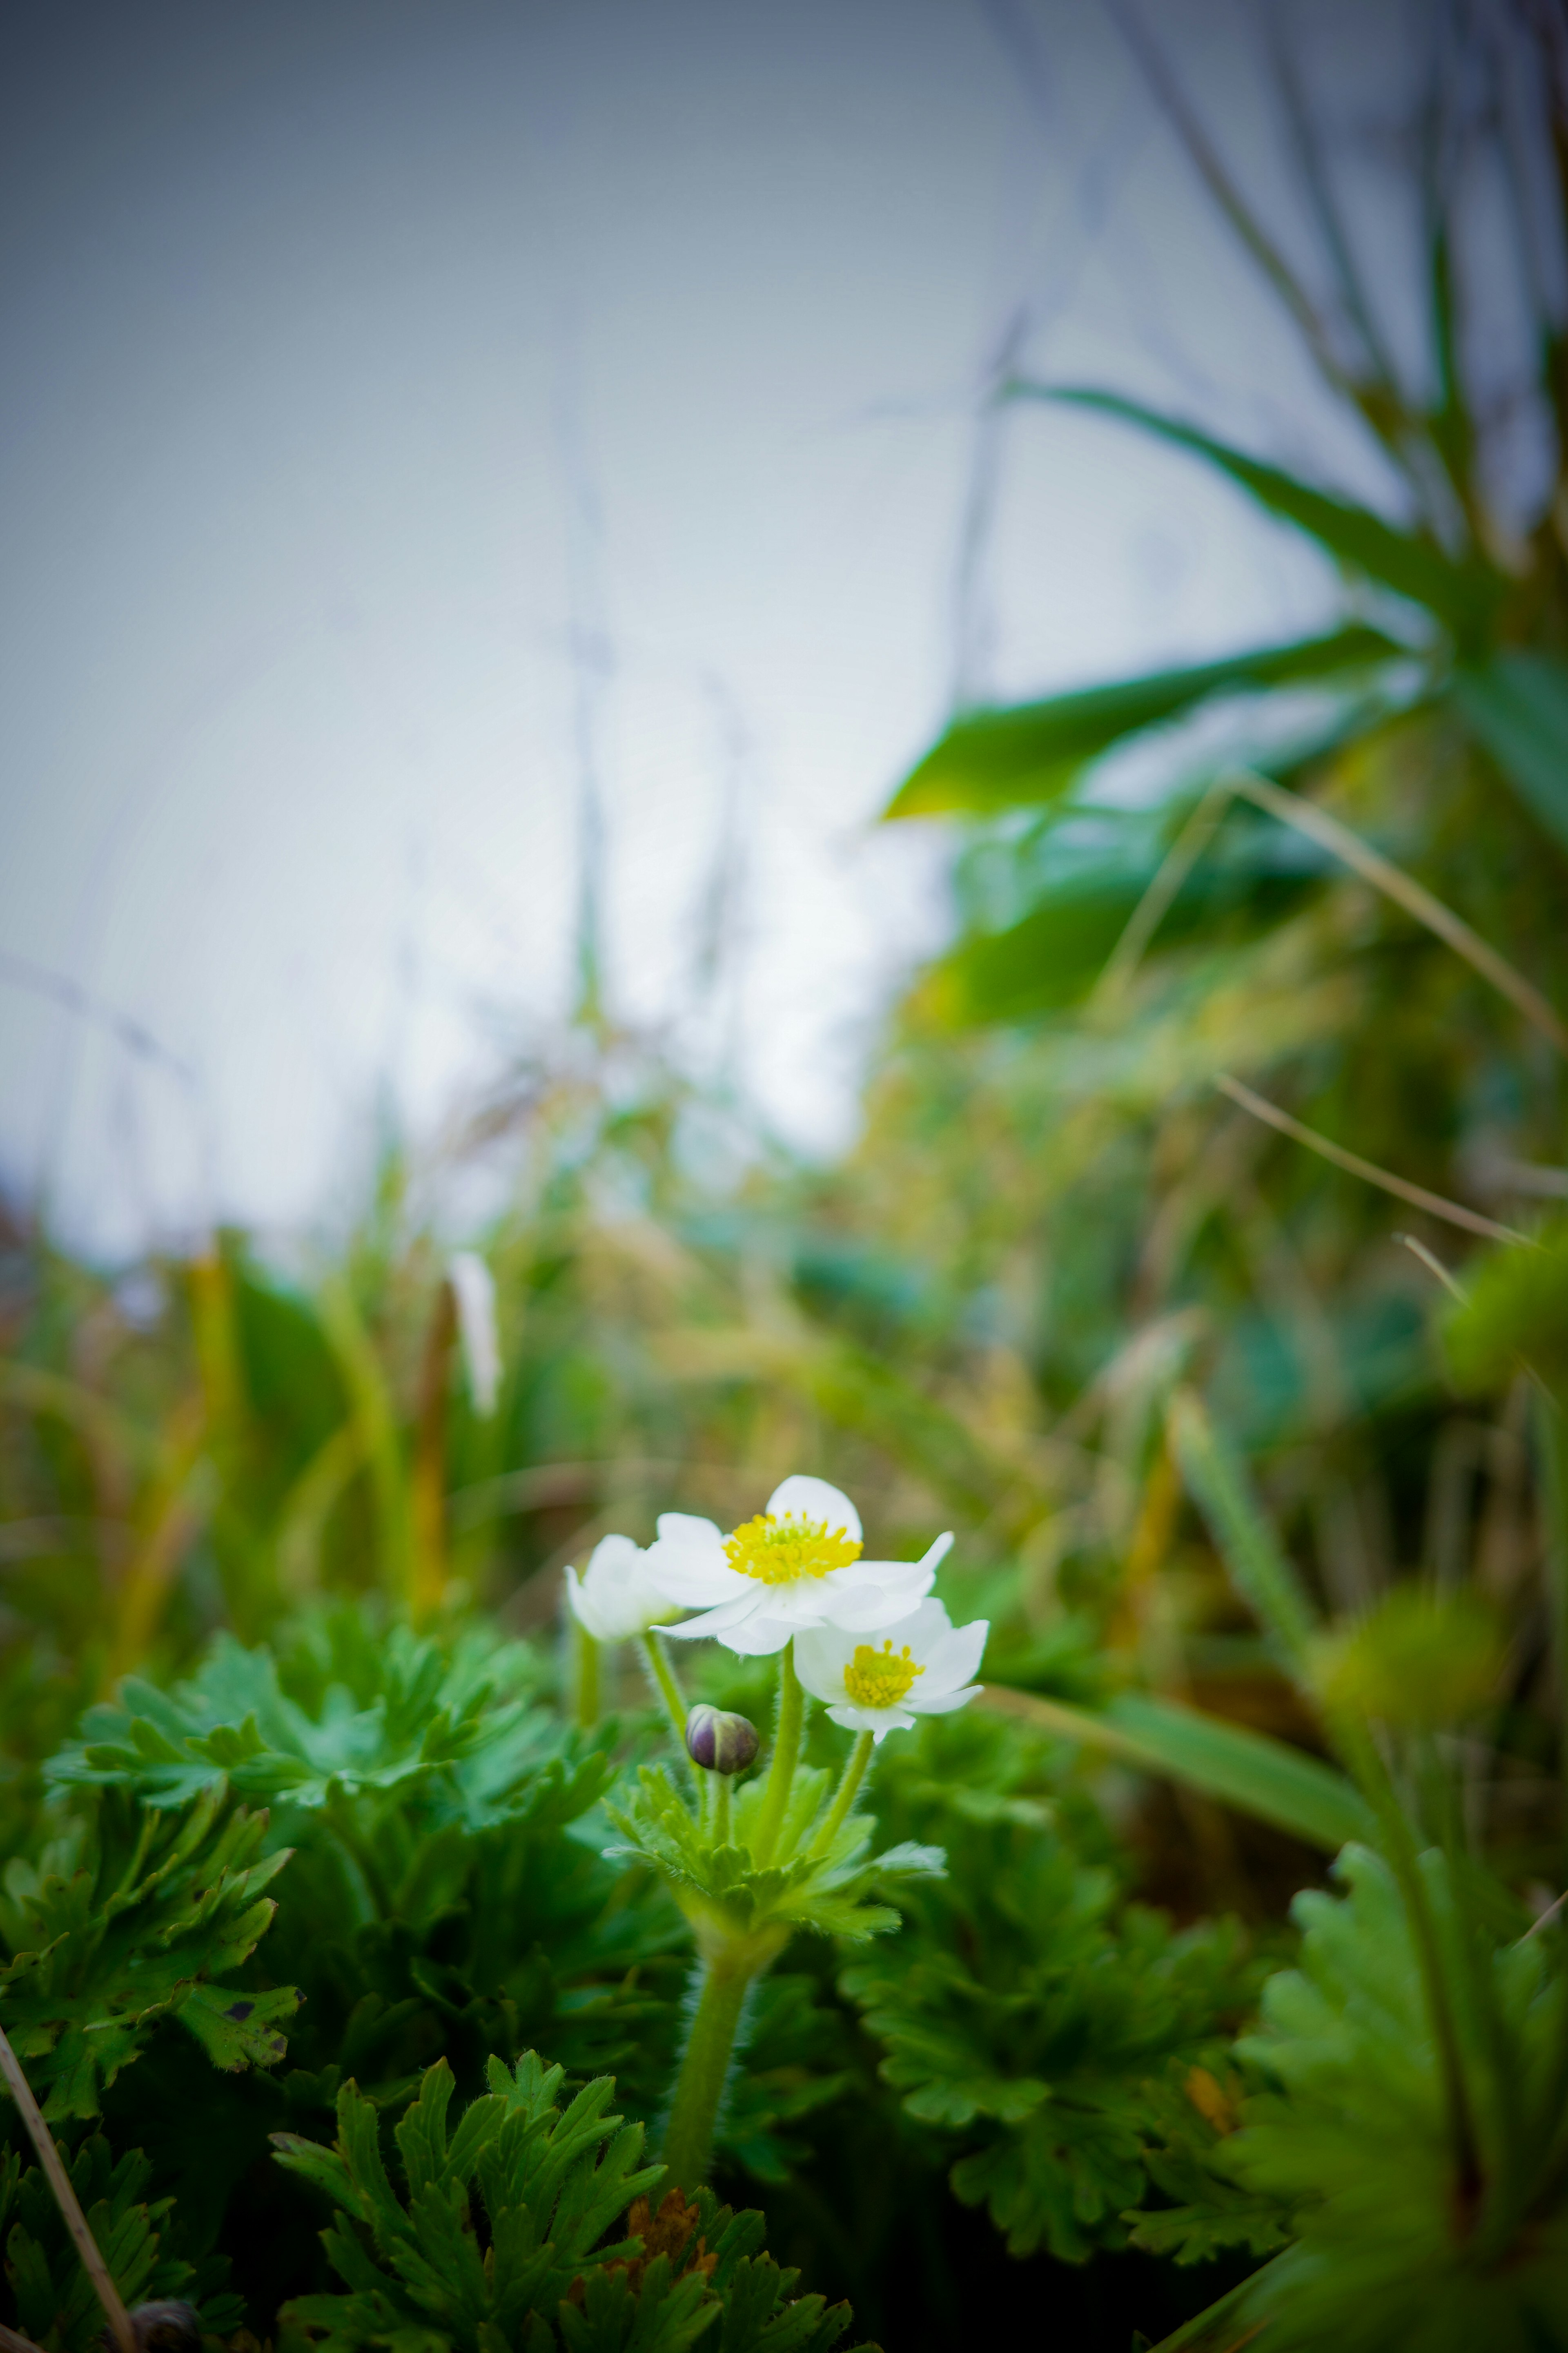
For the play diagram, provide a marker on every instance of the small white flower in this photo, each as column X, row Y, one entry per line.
column 924, row 1665
column 796, row 1565
column 614, row 1597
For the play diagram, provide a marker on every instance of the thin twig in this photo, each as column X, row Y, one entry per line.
column 1205, row 157
column 1545, row 1919
column 1167, row 880
column 1352, row 1162
column 66, row 2200
column 13, row 2341
column 1316, row 823
column 1433, row 1265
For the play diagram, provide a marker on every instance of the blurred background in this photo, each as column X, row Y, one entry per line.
column 497, row 490
column 872, row 700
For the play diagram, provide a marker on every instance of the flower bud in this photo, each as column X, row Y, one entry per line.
column 723, row 1744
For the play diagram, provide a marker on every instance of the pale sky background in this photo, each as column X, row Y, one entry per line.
column 395, row 388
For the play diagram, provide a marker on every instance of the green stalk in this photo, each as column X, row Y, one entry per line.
column 705, row 2064
column 668, row 1690
column 848, row 1789
column 786, row 1756
column 721, row 1831
column 586, row 1659
column 1360, row 1752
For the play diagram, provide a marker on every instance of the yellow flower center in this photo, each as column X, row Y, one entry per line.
column 778, row 1552
column 876, row 1678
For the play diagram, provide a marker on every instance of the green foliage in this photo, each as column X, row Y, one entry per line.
column 53, row 2300
column 1192, row 2115
column 549, row 2184
column 351, row 1708
column 1402, row 2242
column 129, row 1920
column 1464, row 594
column 1028, row 2013
column 721, row 1887
column 1033, row 753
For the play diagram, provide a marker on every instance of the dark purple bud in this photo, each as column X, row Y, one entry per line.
column 724, row 1744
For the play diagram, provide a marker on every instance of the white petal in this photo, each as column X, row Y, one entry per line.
column 693, row 1570
column 878, row 1721
column 812, row 1499
column 865, row 1609
column 581, row 1607
column 955, row 1658
column 820, row 1655
column 757, row 1637
column 940, row 1703
column 685, row 1527
column 717, row 1620
column 923, row 1630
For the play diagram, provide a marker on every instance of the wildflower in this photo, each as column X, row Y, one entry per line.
column 720, row 1742
column 614, row 1596
column 796, row 1564
column 922, row 1665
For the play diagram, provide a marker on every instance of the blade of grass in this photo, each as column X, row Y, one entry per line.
column 1354, row 1165
column 1262, row 1574
column 1307, row 818
column 1249, row 1770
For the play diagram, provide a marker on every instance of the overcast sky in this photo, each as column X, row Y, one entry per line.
column 412, row 405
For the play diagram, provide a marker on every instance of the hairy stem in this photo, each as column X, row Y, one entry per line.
column 848, row 1789
column 705, row 2065
column 787, row 1754
column 720, row 1818
column 585, row 1666
column 662, row 1675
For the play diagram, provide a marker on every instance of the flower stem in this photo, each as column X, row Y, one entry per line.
column 848, row 1789
column 668, row 1690
column 720, row 1818
column 700, row 2086
column 787, row 1754
column 585, row 1666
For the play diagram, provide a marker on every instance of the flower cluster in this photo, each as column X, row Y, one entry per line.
column 868, row 1641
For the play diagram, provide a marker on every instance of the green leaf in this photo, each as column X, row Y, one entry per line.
column 1055, row 953
column 1517, row 706
column 1249, row 1770
column 1032, row 752
column 57, row 2304
column 1353, row 2134
column 1261, row 1572
column 1024, row 2012
column 1464, row 595
column 161, row 1905
column 551, row 2185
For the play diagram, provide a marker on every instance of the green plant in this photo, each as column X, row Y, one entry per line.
column 545, row 2184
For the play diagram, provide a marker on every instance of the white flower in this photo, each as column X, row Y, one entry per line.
column 921, row 1666
column 796, row 1564
column 614, row 1597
